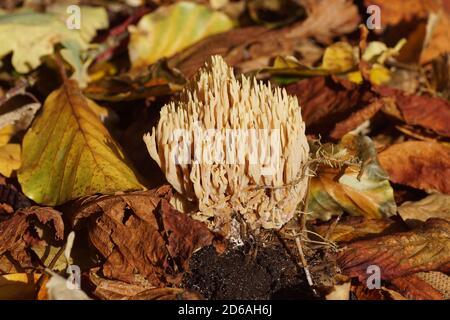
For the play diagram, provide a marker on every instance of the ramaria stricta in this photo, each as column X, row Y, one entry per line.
column 233, row 146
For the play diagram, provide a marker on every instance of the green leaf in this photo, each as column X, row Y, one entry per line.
column 171, row 29
column 341, row 184
column 68, row 153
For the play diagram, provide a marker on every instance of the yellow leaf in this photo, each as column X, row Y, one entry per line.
column 30, row 36
column 340, row 57
column 171, row 29
column 378, row 52
column 9, row 159
column 379, row 74
column 6, row 134
column 18, row 286
column 68, row 153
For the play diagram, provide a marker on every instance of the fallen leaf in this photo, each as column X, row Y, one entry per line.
column 419, row 164
column 400, row 254
column 252, row 48
column 30, row 36
column 118, row 290
column 396, row 11
column 340, row 57
column 9, row 159
column 436, row 205
column 438, row 41
column 356, row 119
column 326, row 101
column 413, row 287
column 361, row 292
column 339, row 186
column 167, row 294
column 144, row 241
column 352, row 228
column 340, row 292
column 20, row 118
column 18, row 286
column 16, row 233
column 157, row 80
column 438, row 280
column 68, row 153
column 170, row 29
column 428, row 112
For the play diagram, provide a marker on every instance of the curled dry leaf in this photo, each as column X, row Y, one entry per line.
column 400, row 254
column 343, row 184
column 68, row 153
column 434, row 206
column 419, row 164
column 16, row 235
column 142, row 239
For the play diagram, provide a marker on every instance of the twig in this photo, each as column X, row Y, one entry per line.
column 305, row 265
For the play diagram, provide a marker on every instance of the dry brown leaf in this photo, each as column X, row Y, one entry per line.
column 415, row 288
column 118, row 290
column 167, row 294
column 437, row 280
column 428, row 112
column 395, row 11
column 419, row 164
column 351, row 228
column 144, row 241
column 252, row 48
column 326, row 101
column 16, row 233
column 400, row 254
column 356, row 119
column 362, row 292
column 439, row 38
column 434, row 206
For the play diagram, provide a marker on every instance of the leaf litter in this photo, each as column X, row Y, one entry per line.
column 368, row 109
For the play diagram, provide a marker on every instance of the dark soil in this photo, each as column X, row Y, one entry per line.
column 264, row 273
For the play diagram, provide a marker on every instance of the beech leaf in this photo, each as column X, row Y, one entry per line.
column 68, row 153
column 170, row 29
